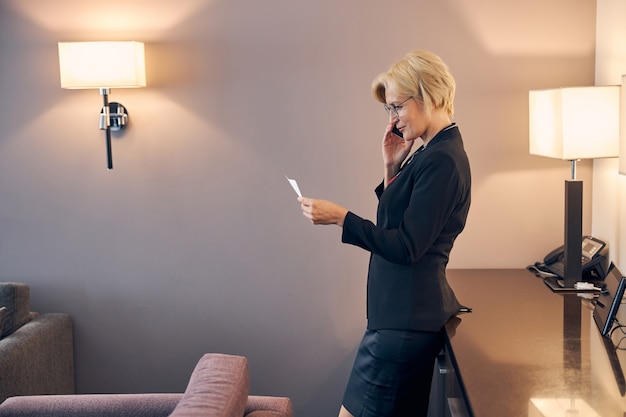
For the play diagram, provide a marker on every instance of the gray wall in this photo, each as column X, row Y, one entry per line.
column 194, row 242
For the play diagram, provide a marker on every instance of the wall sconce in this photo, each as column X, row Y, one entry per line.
column 572, row 124
column 104, row 65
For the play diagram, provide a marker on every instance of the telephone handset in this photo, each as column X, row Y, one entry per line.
column 554, row 255
column 594, row 258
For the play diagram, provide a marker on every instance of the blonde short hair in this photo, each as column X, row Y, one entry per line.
column 422, row 75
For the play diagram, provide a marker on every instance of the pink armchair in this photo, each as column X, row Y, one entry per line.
column 218, row 387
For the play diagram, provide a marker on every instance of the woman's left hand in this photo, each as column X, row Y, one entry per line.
column 322, row 211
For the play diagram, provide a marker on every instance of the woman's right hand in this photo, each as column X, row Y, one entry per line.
column 322, row 211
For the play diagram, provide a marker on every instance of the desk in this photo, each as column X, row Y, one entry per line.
column 525, row 349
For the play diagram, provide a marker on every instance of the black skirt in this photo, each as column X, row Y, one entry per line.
column 392, row 373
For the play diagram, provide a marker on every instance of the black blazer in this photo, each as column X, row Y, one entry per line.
column 420, row 214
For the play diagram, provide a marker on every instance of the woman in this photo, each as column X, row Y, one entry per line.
column 422, row 208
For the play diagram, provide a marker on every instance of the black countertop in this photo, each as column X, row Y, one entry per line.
column 526, row 351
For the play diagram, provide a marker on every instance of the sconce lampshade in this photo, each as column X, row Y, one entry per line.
column 102, row 64
column 575, row 122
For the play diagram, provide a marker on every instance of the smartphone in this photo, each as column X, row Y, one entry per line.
column 396, row 131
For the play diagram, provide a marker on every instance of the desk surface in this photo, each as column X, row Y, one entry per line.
column 525, row 350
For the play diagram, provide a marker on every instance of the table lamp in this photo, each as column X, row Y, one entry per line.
column 104, row 65
column 574, row 123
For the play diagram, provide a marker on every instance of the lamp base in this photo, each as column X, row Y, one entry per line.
column 572, row 260
column 557, row 285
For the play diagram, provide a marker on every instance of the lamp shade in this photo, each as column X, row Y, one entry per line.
column 102, row 64
column 574, row 122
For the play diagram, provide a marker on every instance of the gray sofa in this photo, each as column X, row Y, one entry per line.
column 218, row 387
column 36, row 350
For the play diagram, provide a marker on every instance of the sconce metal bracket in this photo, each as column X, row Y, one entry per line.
column 117, row 114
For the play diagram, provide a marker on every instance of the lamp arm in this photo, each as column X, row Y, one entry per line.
column 104, row 92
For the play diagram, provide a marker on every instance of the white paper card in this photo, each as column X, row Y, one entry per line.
column 294, row 185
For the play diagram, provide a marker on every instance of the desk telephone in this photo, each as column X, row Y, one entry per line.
column 594, row 259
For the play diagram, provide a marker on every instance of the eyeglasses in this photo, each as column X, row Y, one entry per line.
column 395, row 107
